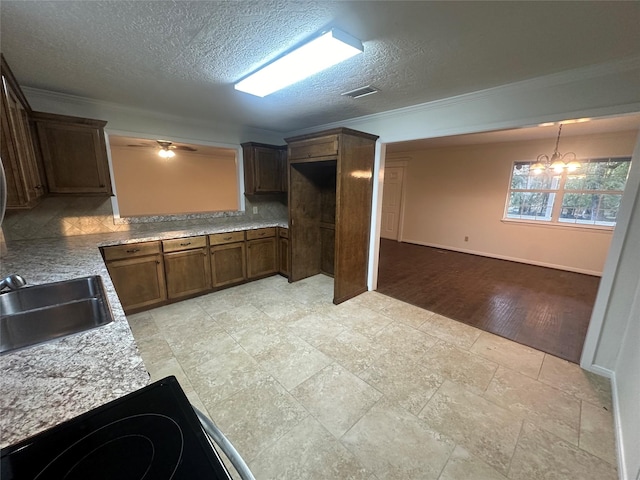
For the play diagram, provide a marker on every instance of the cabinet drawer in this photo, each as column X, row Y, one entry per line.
column 317, row 147
column 187, row 243
column 283, row 232
column 131, row 250
column 222, row 238
column 261, row 233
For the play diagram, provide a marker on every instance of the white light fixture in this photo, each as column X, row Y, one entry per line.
column 319, row 54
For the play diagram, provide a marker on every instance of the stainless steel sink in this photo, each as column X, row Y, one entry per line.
column 40, row 313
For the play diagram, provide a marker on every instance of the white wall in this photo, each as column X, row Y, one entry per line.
column 460, row 191
column 626, row 383
column 612, row 346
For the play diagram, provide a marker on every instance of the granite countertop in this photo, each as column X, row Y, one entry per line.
column 46, row 384
column 125, row 238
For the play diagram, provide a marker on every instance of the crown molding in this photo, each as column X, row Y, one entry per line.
column 104, row 106
column 566, row 77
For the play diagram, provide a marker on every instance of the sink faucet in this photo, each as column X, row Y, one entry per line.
column 12, row 282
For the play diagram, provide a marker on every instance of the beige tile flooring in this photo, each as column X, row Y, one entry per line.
column 375, row 389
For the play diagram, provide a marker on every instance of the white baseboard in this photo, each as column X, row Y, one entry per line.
column 505, row 257
column 598, row 370
column 617, row 425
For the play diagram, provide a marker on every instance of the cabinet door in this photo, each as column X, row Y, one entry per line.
column 24, row 185
column 283, row 255
column 74, row 154
column 261, row 257
column 268, row 170
column 139, row 281
column 228, row 264
column 264, row 167
column 187, row 272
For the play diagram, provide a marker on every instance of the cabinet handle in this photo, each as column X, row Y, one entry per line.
column 102, row 185
column 133, row 250
column 39, row 187
column 261, row 234
column 227, row 238
column 185, row 244
column 157, row 262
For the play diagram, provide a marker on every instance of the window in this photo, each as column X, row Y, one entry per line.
column 589, row 195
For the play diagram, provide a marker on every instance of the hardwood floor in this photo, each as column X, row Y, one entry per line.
column 540, row 307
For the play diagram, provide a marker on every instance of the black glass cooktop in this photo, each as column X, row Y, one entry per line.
column 150, row 434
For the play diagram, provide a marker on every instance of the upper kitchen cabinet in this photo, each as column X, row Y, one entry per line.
column 74, row 153
column 265, row 168
column 22, row 169
column 330, row 195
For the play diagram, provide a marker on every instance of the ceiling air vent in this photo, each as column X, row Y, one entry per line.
column 361, row 92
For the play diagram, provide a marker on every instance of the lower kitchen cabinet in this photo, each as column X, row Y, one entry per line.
column 186, row 265
column 139, row 281
column 228, row 258
column 228, row 264
column 149, row 274
column 262, row 253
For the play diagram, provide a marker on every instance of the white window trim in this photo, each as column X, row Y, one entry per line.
column 555, row 222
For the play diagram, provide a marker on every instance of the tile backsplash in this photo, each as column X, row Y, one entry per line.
column 59, row 216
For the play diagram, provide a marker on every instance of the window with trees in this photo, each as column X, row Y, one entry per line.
column 588, row 194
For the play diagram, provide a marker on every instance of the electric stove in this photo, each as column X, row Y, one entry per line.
column 152, row 434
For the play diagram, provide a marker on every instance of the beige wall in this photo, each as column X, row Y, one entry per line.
column 453, row 192
column 147, row 184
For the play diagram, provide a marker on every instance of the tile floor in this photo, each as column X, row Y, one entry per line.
column 375, row 389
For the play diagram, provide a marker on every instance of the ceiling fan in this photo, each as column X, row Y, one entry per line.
column 166, row 147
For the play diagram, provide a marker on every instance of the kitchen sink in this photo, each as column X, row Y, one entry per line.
column 40, row 313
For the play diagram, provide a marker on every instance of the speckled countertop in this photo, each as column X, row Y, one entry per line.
column 46, row 384
column 124, row 238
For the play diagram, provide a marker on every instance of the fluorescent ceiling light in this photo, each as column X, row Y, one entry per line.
column 320, row 53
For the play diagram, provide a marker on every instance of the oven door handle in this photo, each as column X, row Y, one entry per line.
column 225, row 445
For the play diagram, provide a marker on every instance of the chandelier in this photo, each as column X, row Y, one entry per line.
column 557, row 162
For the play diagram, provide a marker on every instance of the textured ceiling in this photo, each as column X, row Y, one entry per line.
column 183, row 57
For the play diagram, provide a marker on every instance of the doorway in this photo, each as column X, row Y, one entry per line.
column 392, row 201
column 548, row 322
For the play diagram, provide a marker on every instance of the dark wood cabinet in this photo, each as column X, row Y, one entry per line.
column 264, row 168
column 137, row 273
column 262, row 252
column 24, row 176
column 149, row 274
column 330, row 197
column 187, row 266
column 74, row 153
column 283, row 251
column 228, row 259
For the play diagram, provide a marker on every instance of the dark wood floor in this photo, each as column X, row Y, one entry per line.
column 543, row 308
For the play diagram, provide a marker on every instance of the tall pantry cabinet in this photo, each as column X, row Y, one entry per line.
column 330, row 195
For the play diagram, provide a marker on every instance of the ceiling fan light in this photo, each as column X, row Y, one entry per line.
column 166, row 153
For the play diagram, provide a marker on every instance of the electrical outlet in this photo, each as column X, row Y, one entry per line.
column 466, row 239
column 255, row 210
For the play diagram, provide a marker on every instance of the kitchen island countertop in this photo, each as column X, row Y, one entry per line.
column 46, row 384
